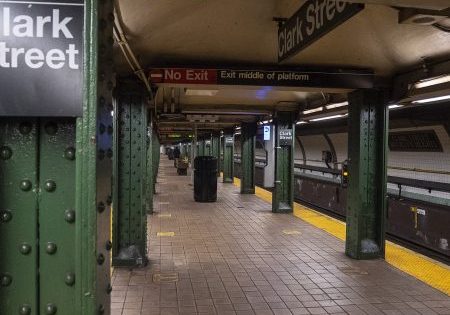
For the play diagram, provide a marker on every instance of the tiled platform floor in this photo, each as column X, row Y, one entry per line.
column 236, row 257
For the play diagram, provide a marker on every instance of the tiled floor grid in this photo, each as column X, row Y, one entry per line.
column 236, row 257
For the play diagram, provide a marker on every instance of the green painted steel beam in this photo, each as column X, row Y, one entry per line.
column 367, row 199
column 228, row 157
column 283, row 194
column 19, row 160
column 56, row 215
column 129, row 227
column 215, row 149
column 149, row 180
column 248, row 142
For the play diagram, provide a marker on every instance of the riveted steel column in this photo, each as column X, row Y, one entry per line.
column 156, row 157
column 283, row 194
column 201, row 147
column 57, row 215
column 248, row 141
column 93, row 175
column 208, row 148
column 367, row 148
column 129, row 226
column 18, row 216
column 215, row 149
column 149, row 179
column 228, row 157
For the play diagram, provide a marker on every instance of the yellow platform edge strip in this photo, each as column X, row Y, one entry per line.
column 425, row 269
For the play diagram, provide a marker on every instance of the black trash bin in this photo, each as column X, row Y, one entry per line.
column 205, row 179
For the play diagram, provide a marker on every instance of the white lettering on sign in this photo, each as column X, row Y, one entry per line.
column 314, row 19
column 315, row 14
column 172, row 74
column 25, row 26
column 29, row 26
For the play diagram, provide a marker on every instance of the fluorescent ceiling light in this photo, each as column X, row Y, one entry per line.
column 431, row 82
column 301, row 122
column 238, row 128
column 337, row 105
column 328, row 117
column 264, row 122
column 395, row 106
column 314, row 110
column 237, row 133
column 190, row 92
column 433, row 99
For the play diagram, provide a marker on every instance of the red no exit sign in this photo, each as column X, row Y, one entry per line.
column 184, row 76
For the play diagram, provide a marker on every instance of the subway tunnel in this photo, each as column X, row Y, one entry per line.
column 224, row 157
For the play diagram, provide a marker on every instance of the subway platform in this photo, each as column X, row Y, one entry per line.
column 236, row 257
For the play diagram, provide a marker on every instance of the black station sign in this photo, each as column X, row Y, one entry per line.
column 339, row 79
column 285, row 137
column 313, row 20
column 41, row 58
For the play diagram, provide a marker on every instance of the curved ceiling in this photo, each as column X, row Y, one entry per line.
column 163, row 32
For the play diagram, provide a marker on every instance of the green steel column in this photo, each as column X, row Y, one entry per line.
column 215, row 150
column 248, row 141
column 156, row 157
column 367, row 149
column 93, row 173
column 201, row 147
column 149, row 178
column 57, row 215
column 283, row 194
column 208, row 149
column 228, row 157
column 130, row 219
column 19, row 216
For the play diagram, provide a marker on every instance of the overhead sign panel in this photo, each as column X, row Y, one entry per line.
column 313, row 20
column 345, row 79
column 41, row 58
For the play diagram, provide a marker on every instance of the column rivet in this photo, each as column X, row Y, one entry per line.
column 25, row 249
column 25, row 185
column 50, row 309
column 69, row 216
column 51, row 248
column 5, row 153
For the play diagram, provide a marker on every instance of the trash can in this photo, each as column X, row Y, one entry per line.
column 205, row 179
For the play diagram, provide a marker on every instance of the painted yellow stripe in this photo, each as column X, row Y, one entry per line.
column 420, row 267
column 163, row 234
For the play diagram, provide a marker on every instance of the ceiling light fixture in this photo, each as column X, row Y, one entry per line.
column 191, row 92
column 337, row 105
column 314, row 110
column 395, row 106
column 433, row 81
column 432, row 99
column 301, row 122
column 328, row 117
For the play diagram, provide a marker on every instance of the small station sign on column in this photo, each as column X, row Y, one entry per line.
column 41, row 58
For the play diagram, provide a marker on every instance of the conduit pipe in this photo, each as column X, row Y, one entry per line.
column 128, row 52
